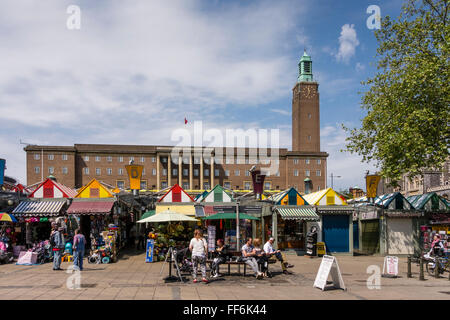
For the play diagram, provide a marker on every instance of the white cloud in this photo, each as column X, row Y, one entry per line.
column 281, row 111
column 360, row 67
column 344, row 164
column 348, row 41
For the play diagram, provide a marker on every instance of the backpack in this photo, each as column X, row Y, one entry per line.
column 52, row 240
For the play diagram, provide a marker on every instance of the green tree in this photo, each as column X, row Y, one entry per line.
column 406, row 128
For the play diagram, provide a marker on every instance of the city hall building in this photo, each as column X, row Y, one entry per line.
column 304, row 167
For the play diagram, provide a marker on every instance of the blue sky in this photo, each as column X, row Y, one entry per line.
column 133, row 72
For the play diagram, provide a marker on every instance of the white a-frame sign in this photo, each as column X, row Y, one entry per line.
column 329, row 264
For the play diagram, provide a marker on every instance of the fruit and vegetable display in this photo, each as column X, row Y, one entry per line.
column 169, row 235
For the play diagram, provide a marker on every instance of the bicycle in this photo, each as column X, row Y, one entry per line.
column 443, row 264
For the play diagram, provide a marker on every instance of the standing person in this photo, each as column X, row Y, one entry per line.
column 248, row 254
column 261, row 257
column 141, row 240
column 276, row 254
column 132, row 238
column 57, row 241
column 199, row 247
column 437, row 248
column 79, row 242
column 221, row 256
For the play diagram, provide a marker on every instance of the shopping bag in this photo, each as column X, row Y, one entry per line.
column 27, row 257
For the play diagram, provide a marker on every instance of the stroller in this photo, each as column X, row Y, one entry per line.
column 183, row 261
column 44, row 254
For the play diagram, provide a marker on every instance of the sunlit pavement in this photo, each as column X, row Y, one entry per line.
column 132, row 278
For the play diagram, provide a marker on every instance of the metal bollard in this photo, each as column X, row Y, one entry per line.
column 421, row 277
column 436, row 268
column 409, row 267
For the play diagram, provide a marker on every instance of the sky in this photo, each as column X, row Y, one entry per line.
column 134, row 70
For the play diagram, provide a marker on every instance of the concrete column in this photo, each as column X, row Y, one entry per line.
column 201, row 172
column 191, row 173
column 274, row 229
column 169, row 171
column 212, row 171
column 350, row 225
column 158, row 182
column 180, row 169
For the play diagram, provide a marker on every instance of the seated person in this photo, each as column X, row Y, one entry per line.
column 248, row 254
column 261, row 257
column 221, row 256
column 268, row 249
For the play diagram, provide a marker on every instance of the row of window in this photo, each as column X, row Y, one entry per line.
column 109, row 171
column 206, row 186
column 37, row 156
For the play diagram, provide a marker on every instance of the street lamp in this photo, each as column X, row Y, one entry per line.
column 332, row 176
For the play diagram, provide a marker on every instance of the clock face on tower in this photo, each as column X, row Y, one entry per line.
column 309, row 92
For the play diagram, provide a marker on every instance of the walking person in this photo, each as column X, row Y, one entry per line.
column 57, row 241
column 199, row 248
column 248, row 254
column 276, row 254
column 79, row 243
column 221, row 256
column 141, row 240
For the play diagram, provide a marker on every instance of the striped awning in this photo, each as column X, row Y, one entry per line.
column 298, row 213
column 39, row 208
column 99, row 207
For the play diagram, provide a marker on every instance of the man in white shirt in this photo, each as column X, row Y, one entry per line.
column 276, row 254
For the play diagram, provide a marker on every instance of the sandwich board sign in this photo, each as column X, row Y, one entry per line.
column 390, row 265
column 149, row 251
column 329, row 265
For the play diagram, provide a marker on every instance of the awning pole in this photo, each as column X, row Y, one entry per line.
column 237, row 227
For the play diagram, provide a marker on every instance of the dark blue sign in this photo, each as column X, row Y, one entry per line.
column 150, row 246
column 2, row 170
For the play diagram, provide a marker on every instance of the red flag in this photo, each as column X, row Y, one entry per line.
column 185, row 121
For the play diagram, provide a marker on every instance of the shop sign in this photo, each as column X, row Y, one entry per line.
column 320, row 249
column 224, row 209
column 329, row 266
column 150, row 246
column 390, row 265
column 2, row 170
column 134, row 174
column 258, row 181
column 250, row 209
column 371, row 185
column 211, row 238
column 370, row 215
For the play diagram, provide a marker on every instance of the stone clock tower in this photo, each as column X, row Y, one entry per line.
column 305, row 110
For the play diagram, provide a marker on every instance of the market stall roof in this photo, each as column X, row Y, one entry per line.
column 393, row 201
column 297, row 213
column 325, row 197
column 148, row 214
column 218, row 194
column 49, row 188
column 230, row 216
column 39, row 207
column 200, row 196
column 288, row 197
column 95, row 189
column 90, row 207
column 428, row 202
column 167, row 216
column 176, row 194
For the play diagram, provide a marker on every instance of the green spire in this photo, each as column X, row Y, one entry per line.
column 305, row 68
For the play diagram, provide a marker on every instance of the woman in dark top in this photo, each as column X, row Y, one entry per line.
column 221, row 256
column 261, row 257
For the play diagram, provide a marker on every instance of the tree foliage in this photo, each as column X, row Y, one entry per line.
column 406, row 128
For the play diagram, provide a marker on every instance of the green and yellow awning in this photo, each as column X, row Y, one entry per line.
column 297, row 213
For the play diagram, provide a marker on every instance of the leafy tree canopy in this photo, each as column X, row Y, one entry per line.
column 406, row 128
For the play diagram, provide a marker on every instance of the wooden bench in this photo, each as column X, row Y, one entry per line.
column 238, row 263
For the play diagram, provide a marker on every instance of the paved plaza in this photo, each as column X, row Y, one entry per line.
column 132, row 278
